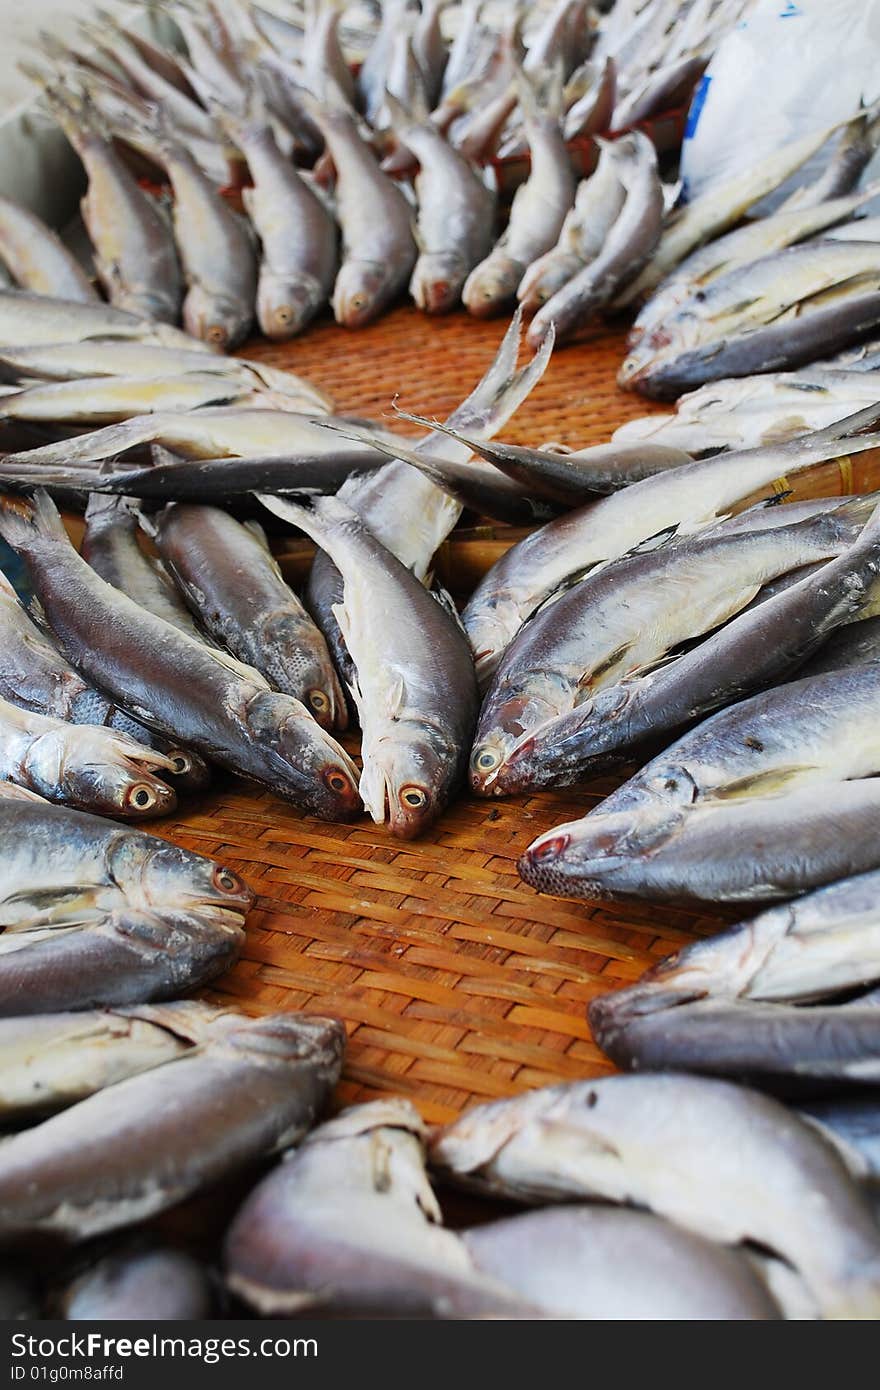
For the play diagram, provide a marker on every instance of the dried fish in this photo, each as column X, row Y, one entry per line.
column 721, row 1160
column 123, row 1154
column 37, row 258
column 173, row 683
column 144, row 1284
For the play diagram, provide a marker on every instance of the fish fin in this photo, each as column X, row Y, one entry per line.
column 758, row 784
column 22, row 522
column 446, row 602
column 258, row 533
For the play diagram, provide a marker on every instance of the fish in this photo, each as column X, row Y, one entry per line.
column 35, row 320
column 152, row 1283
column 818, row 948
column 378, row 250
column 92, row 401
column 786, row 1047
column 113, row 43
column 147, row 361
column 429, row 47
column 627, row 617
column 110, row 546
column 723, row 1161
column 831, row 321
column 722, row 206
column 659, row 92
column 123, row 1155
column 299, row 256
column 93, row 768
column 414, row 684
column 538, row 210
column 35, row 676
column 217, row 251
column 204, row 434
column 51, row 1061
column 597, row 205
column 262, row 623
column 174, row 683
column 592, row 108
column 322, row 59
column 97, row 915
column 755, row 648
column 135, row 256
column 372, row 77
column 566, row 475
column 855, row 149
column 627, row 246
column 406, row 511
column 456, row 213
column 37, row 258
column 602, row 1263
column 535, row 567
column 754, row 850
column 348, row 1223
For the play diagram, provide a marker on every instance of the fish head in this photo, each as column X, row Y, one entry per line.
column 513, row 710
column 492, row 286
column 154, row 876
column 582, row 857
column 490, row 622
column 214, row 319
column 286, row 303
column 566, row 748
column 294, row 661
column 409, row 773
column 362, row 289
column 299, row 758
column 436, row 282
column 102, row 772
column 536, row 290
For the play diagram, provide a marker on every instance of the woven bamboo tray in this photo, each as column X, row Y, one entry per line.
column 457, row 982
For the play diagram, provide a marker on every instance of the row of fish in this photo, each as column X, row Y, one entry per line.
column 440, row 91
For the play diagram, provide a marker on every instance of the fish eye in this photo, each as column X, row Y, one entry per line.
column 284, row 314
column 227, row 881
column 141, row 797
column 337, row 781
column 414, row 797
column 319, row 701
column 550, row 848
column 180, row 764
column 216, row 334
column 359, row 301
column 487, row 759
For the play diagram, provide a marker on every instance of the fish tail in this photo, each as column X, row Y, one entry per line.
column 92, row 447
column 109, row 505
column 24, row 523
column 503, row 389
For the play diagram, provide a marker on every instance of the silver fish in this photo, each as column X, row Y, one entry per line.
column 104, row 400
column 456, row 214
column 853, row 645
column 728, row 851
column 783, row 1046
column 262, row 623
column 627, row 246
column 152, row 1284
column 538, row 210
column 51, row 1061
column 299, row 256
column 93, row 768
column 378, row 248
column 37, row 257
column 758, row 646
column 348, row 1222
column 598, row 203
column 34, row 320
column 135, row 255
column 598, row 1263
column 537, row 566
column 721, row 1160
column 626, row 618
column 172, row 682
column 35, row 676
column 414, row 683
column 822, row 945
column 123, row 1155
column 110, row 545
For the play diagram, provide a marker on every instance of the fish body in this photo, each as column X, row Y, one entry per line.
column 349, row 1223
column 536, row 216
column 152, row 1284
column 538, row 565
column 37, row 258
column 174, row 683
column 92, row 401
column 628, row 616
column 718, row 1159
column 146, row 1143
column 33, row 320
column 228, row 574
column 598, row 1263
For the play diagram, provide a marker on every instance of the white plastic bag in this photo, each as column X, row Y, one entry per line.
column 791, row 66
